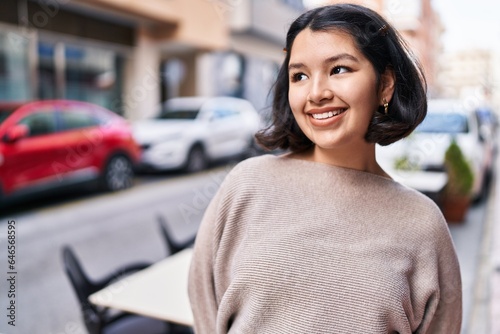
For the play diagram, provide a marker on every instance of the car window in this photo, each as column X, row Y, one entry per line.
column 224, row 113
column 77, row 118
column 6, row 112
column 3, row 115
column 40, row 123
column 444, row 123
column 179, row 114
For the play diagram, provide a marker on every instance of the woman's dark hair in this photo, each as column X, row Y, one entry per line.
column 382, row 45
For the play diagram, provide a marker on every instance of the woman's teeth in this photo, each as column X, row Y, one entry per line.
column 327, row 114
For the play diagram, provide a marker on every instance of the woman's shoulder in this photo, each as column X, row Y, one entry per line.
column 264, row 161
column 250, row 171
column 260, row 165
column 416, row 200
column 423, row 213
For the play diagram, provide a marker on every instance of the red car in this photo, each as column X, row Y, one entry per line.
column 51, row 144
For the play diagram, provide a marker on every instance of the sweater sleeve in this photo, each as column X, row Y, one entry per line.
column 201, row 287
column 448, row 315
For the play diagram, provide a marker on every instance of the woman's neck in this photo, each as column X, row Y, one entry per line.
column 363, row 158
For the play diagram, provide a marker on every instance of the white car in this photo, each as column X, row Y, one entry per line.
column 418, row 161
column 190, row 132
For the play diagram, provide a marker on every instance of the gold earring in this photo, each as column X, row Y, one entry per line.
column 386, row 106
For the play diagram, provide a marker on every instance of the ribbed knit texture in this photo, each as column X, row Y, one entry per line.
column 293, row 246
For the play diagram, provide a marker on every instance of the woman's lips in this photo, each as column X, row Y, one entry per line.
column 327, row 114
column 325, row 117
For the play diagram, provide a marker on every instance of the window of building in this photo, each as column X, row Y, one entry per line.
column 14, row 67
column 173, row 74
column 80, row 73
column 230, row 74
column 46, row 71
column 93, row 75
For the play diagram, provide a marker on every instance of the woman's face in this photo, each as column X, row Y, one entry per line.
column 333, row 89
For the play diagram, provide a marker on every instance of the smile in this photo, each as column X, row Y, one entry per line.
column 328, row 114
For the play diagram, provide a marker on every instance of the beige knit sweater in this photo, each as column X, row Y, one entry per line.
column 293, row 246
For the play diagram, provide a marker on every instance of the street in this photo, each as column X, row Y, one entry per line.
column 106, row 231
column 110, row 230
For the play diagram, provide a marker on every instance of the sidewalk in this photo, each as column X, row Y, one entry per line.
column 495, row 260
column 495, row 290
column 485, row 317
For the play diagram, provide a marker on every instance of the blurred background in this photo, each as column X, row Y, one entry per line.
column 105, row 52
column 150, row 103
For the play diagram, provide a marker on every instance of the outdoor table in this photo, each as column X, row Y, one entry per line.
column 159, row 291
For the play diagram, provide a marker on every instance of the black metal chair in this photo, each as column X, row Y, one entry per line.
column 172, row 245
column 100, row 320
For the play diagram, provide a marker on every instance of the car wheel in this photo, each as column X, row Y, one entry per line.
column 118, row 174
column 196, row 160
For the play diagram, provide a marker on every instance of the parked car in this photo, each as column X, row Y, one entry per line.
column 488, row 122
column 51, row 144
column 190, row 132
column 422, row 153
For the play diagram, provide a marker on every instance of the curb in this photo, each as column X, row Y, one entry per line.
column 484, row 317
column 494, row 311
column 495, row 302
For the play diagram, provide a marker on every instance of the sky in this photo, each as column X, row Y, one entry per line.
column 469, row 23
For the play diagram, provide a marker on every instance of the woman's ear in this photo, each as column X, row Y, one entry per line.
column 387, row 84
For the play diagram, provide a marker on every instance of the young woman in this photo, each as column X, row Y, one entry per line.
column 321, row 239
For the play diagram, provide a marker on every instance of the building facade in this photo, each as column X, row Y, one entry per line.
column 248, row 67
column 110, row 52
column 130, row 56
column 472, row 76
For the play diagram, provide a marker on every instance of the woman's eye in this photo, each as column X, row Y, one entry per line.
column 299, row 77
column 340, row 70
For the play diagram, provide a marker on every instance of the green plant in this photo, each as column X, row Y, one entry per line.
column 404, row 163
column 460, row 175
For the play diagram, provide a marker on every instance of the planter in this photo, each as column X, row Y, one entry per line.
column 455, row 208
column 457, row 192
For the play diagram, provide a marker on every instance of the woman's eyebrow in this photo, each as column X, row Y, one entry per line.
column 296, row 66
column 340, row 56
column 329, row 60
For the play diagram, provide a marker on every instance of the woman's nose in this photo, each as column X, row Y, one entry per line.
column 320, row 91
